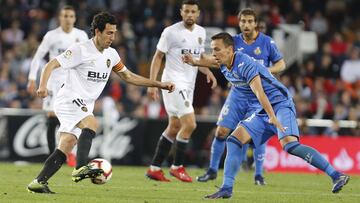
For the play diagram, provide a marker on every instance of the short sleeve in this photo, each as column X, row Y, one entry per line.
column 70, row 58
column 164, row 42
column 275, row 54
column 250, row 68
column 84, row 36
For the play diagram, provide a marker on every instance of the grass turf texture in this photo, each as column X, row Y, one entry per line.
column 128, row 184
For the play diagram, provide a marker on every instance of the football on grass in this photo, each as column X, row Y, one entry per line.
column 104, row 165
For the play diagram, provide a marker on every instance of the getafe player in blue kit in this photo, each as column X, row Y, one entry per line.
column 277, row 115
column 262, row 49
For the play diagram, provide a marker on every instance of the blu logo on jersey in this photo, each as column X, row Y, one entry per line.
column 190, row 51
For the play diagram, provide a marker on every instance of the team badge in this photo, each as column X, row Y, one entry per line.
column 84, row 109
column 77, row 40
column 257, row 51
column 108, row 63
column 187, row 103
column 67, row 54
column 200, row 40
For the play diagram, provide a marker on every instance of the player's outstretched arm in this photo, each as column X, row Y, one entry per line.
column 49, row 67
column 278, row 67
column 205, row 60
column 209, row 76
column 135, row 79
column 258, row 90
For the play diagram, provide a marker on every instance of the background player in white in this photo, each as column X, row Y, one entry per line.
column 55, row 42
column 181, row 38
column 88, row 66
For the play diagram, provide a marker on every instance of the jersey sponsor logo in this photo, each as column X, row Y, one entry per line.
column 200, row 40
column 261, row 61
column 240, row 49
column 190, row 51
column 257, row 51
column 67, row 54
column 97, row 77
column 108, row 62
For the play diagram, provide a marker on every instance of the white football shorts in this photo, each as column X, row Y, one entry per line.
column 179, row 102
column 70, row 110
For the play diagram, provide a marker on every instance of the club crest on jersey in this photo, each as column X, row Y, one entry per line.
column 257, row 51
column 67, row 54
column 108, row 62
column 187, row 103
column 77, row 40
column 84, row 109
column 200, row 40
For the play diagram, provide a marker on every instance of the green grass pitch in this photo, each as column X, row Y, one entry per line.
column 128, row 184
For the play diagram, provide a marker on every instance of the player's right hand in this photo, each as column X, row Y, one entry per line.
column 168, row 86
column 153, row 93
column 31, row 87
column 187, row 58
column 276, row 123
column 42, row 92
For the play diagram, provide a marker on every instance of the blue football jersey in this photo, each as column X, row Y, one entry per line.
column 243, row 70
column 262, row 50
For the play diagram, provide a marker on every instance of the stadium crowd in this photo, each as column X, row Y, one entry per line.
column 326, row 85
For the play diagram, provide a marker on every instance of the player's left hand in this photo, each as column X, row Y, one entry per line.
column 42, row 92
column 276, row 123
column 211, row 78
column 168, row 86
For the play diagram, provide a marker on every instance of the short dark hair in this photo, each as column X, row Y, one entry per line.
column 100, row 20
column 247, row 12
column 68, row 7
column 226, row 37
column 190, row 2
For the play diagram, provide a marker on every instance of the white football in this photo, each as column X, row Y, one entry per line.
column 104, row 165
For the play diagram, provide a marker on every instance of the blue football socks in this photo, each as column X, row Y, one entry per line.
column 311, row 156
column 217, row 149
column 233, row 161
column 259, row 158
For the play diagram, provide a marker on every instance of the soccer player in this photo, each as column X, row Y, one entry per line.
column 87, row 67
column 176, row 40
column 262, row 49
column 55, row 42
column 277, row 115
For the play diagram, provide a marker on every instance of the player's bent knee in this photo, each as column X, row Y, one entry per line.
column 288, row 139
column 222, row 132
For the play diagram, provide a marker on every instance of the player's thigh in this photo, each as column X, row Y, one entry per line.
column 232, row 112
column 258, row 127
column 179, row 102
column 242, row 134
column 287, row 118
column 88, row 122
column 222, row 131
column 71, row 110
